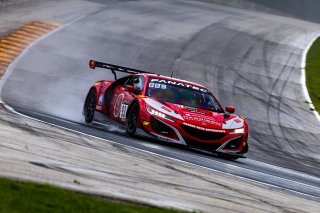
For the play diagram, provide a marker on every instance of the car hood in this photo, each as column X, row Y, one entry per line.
column 195, row 117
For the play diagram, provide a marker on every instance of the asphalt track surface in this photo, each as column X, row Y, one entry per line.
column 249, row 59
column 300, row 9
column 284, row 179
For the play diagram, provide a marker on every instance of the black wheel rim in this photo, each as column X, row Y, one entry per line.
column 90, row 107
column 133, row 119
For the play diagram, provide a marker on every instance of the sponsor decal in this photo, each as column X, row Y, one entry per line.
column 233, row 123
column 177, row 83
column 178, row 105
column 204, row 129
column 194, row 118
column 166, row 108
column 123, row 111
column 167, row 139
column 100, row 99
column 101, row 122
column 158, row 106
column 117, row 105
column 126, row 102
column 229, row 152
column 237, row 120
column 191, row 109
column 151, row 85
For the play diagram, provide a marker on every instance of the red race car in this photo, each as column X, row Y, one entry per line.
column 169, row 109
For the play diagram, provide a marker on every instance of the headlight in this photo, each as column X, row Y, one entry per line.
column 237, row 131
column 157, row 113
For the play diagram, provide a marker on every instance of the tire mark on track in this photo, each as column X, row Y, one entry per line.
column 191, row 41
column 283, row 73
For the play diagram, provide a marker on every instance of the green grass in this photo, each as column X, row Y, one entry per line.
column 16, row 196
column 313, row 74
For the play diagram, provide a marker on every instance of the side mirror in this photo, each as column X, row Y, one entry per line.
column 129, row 88
column 230, row 109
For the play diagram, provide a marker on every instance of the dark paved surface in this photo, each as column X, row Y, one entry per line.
column 146, row 172
column 307, row 10
column 286, row 180
column 300, row 9
column 250, row 60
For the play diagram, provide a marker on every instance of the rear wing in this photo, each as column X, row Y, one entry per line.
column 93, row 64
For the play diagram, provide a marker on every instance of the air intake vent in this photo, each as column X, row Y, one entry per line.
column 235, row 143
column 203, row 135
column 161, row 128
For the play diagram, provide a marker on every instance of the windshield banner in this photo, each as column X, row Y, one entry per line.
column 157, row 81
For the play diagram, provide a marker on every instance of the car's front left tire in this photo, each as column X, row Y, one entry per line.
column 89, row 106
column 132, row 119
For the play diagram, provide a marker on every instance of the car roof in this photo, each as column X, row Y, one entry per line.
column 174, row 79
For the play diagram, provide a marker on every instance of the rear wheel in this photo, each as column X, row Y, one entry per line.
column 89, row 106
column 132, row 120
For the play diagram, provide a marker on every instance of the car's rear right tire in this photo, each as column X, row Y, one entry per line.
column 90, row 106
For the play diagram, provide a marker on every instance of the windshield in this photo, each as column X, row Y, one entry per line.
column 182, row 94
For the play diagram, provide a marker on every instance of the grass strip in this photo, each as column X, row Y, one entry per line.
column 313, row 73
column 17, row 196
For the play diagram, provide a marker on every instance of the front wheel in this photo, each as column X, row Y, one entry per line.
column 89, row 106
column 132, row 120
column 228, row 157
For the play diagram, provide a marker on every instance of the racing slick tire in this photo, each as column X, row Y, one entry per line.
column 228, row 157
column 132, row 120
column 232, row 157
column 89, row 106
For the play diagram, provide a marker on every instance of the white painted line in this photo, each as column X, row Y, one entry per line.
column 303, row 77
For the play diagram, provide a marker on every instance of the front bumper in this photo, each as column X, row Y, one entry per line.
column 221, row 142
